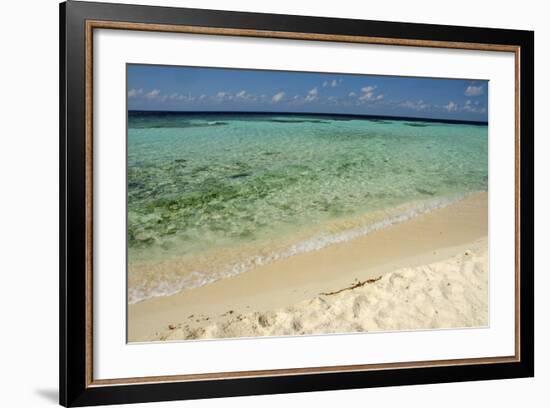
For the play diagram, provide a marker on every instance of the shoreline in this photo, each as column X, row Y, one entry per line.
column 428, row 239
column 167, row 277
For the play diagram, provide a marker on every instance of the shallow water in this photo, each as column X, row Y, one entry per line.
column 204, row 185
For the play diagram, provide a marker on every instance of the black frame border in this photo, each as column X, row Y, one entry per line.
column 72, row 126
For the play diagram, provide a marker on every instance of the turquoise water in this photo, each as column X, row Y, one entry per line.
column 215, row 182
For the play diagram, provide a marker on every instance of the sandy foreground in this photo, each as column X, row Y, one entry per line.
column 428, row 272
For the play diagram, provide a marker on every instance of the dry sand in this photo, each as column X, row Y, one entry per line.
column 428, row 272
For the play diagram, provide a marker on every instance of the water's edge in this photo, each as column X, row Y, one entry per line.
column 167, row 287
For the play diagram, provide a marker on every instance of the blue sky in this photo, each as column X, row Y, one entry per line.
column 152, row 87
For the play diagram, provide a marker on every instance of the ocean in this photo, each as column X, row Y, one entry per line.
column 212, row 195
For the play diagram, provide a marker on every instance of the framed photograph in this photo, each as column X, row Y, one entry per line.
column 256, row 204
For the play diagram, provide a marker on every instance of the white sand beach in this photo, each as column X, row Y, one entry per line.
column 425, row 273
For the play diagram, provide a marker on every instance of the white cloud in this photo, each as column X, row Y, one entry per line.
column 473, row 107
column 242, row 94
column 278, row 97
column 245, row 96
column 222, row 96
column 155, row 93
column 472, row 90
column 312, row 95
column 352, row 94
column 367, row 89
column 419, row 105
column 132, row 93
column 468, row 106
column 368, row 94
column 451, row 107
column 179, row 97
column 333, row 84
column 297, row 100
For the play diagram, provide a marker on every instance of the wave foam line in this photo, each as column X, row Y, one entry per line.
column 197, row 279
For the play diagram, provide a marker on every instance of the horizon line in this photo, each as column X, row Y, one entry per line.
column 411, row 118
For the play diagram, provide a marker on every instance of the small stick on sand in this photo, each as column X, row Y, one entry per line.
column 354, row 286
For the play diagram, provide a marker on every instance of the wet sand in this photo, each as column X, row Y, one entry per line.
column 428, row 252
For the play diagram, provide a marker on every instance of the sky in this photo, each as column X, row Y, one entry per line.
column 169, row 88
